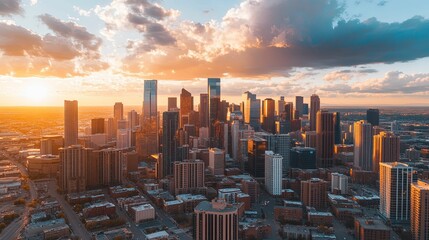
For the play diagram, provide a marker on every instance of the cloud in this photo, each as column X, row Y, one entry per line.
column 10, row 7
column 71, row 51
column 262, row 38
column 82, row 12
column 347, row 74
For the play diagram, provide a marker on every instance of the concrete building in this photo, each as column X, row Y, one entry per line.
column 279, row 144
column 273, row 173
column 362, row 142
column 339, row 183
column 49, row 144
column 70, row 123
column 325, row 139
column 420, row 210
column 217, row 161
column 313, row 193
column 371, row 229
column 314, row 108
column 188, row 176
column 215, row 220
column 386, row 148
column 73, row 168
column 142, row 212
column 44, row 165
column 395, row 180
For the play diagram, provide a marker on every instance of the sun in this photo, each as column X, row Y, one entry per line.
column 36, row 92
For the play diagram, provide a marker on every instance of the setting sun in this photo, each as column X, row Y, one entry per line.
column 36, row 92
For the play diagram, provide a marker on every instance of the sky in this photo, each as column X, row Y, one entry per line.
column 360, row 53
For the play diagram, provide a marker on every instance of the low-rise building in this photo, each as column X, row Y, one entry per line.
column 371, row 229
column 142, row 212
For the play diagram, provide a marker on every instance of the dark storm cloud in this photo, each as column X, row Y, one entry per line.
column 10, row 7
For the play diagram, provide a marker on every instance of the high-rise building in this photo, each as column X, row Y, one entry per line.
column 305, row 109
column 314, row 108
column 303, row 157
column 256, row 148
column 281, row 106
column 213, row 89
column 50, row 144
column 268, row 108
column 339, row 183
column 172, row 103
column 217, row 161
column 280, row 144
column 133, row 119
column 373, row 116
column 188, row 176
column 148, row 143
column 97, row 125
column 110, row 128
column 273, row 173
column 420, row 210
column 215, row 220
column 325, row 134
column 362, row 141
column 386, row 147
column 204, row 110
column 170, row 125
column 299, row 105
column 104, row 168
column 118, row 111
column 73, row 168
column 310, row 139
column 337, row 126
column 252, row 110
column 186, row 106
column 288, row 112
column 313, row 193
column 70, row 123
column 395, row 180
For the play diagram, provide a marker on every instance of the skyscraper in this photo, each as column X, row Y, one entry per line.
column 213, row 89
column 420, row 210
column 215, row 220
column 362, row 141
column 204, row 110
column 386, row 147
column 97, row 125
column 252, row 109
column 268, row 108
column 299, row 105
column 314, row 108
column 188, row 176
column 339, row 183
column 313, row 193
column 217, row 161
column 148, row 137
column 325, row 134
column 288, row 111
column 186, row 106
column 118, row 111
column 337, row 123
column 395, row 180
column 373, row 116
column 172, row 103
column 73, row 168
column 256, row 148
column 281, row 106
column 170, row 125
column 273, row 173
column 303, row 157
column 70, row 123
column 280, row 144
column 133, row 119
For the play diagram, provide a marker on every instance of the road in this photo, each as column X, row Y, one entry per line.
column 73, row 219
column 269, row 213
column 138, row 234
column 13, row 230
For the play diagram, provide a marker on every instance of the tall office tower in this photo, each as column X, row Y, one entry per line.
column 337, row 123
column 339, row 183
column 386, row 147
column 118, row 111
column 313, row 193
column 215, row 220
column 112, row 159
column 204, row 109
column 325, row 134
column 186, row 106
column 236, row 125
column 305, row 109
column 299, row 105
column 288, row 112
column 70, row 123
column 303, row 157
column 188, row 176
column 110, row 128
column 252, row 110
column 97, row 125
column 273, row 173
column 420, row 210
column 217, row 161
column 172, row 103
column 395, row 180
column 362, row 142
column 194, row 119
column 256, row 148
column 280, row 144
column 148, row 142
column 133, row 119
column 314, row 108
column 49, row 144
column 73, row 163
column 213, row 89
column 281, row 106
column 373, row 116
column 268, row 107
column 170, row 125
column 310, row 139
column 123, row 138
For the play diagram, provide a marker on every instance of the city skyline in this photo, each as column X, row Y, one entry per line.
column 93, row 52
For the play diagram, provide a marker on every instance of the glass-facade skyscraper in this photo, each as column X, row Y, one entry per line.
column 148, row 139
column 213, row 89
column 150, row 97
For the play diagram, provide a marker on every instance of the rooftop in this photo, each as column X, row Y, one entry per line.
column 376, row 224
column 142, row 207
column 215, row 206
